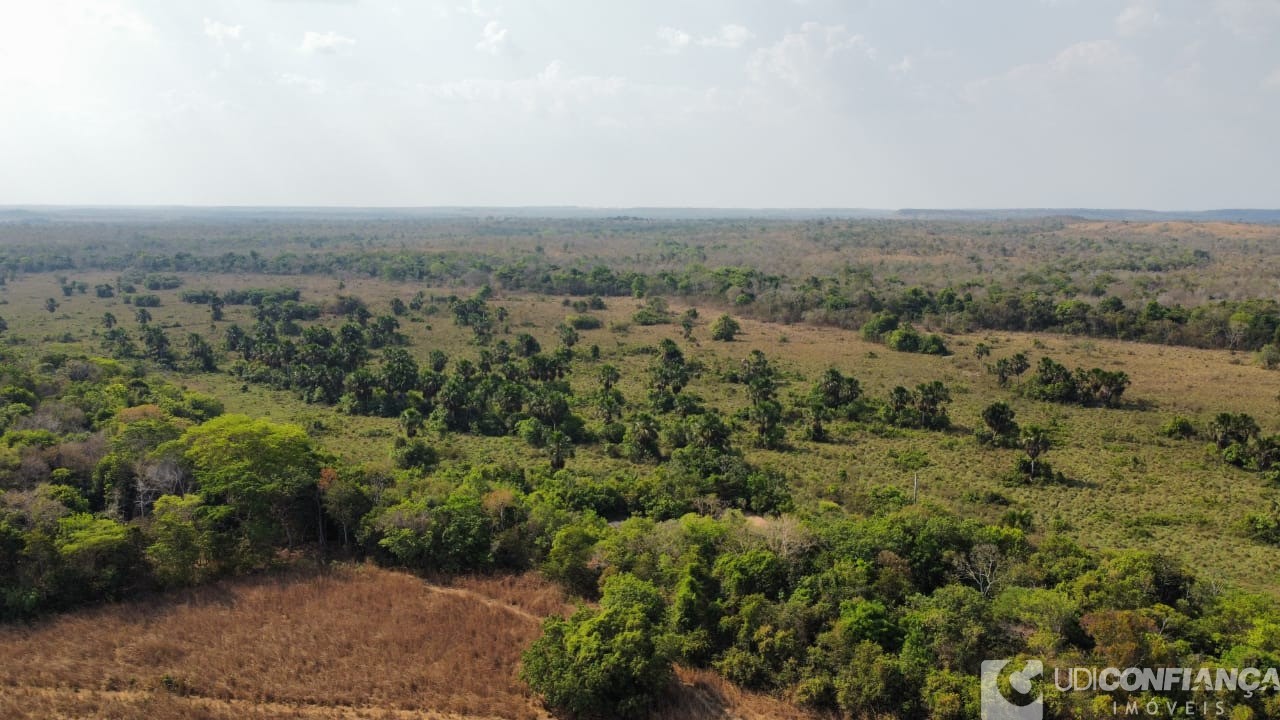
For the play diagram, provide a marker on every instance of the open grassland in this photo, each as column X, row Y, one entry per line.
column 354, row 642
column 1131, row 487
column 1032, row 254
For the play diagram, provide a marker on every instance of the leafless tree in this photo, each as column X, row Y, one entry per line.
column 785, row 536
column 981, row 567
column 164, row 476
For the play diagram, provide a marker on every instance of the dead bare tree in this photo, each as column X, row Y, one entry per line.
column 980, row 567
column 164, row 476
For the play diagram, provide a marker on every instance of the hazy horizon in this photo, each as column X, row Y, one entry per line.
column 770, row 104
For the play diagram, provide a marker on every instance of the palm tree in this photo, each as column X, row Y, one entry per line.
column 609, row 376
column 1035, row 441
column 411, row 422
column 559, row 448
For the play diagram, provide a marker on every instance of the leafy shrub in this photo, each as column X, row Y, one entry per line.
column 725, row 329
column 414, row 454
column 1178, row 427
column 584, row 322
column 880, row 325
column 609, row 662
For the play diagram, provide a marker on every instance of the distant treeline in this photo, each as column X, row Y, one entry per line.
column 849, row 298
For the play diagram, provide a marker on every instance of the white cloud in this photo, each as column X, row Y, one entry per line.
column 1272, row 81
column 494, row 39
column 1090, row 56
column 729, row 36
column 551, row 90
column 674, row 40
column 1186, row 82
column 327, row 42
column 1088, row 69
column 315, row 86
column 1248, row 17
column 221, row 32
column 801, row 58
column 117, row 17
column 1137, row 18
column 476, row 9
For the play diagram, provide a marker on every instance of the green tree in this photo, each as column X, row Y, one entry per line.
column 766, row 416
column 836, row 391
column 257, row 477
column 1002, row 429
column 201, row 353
column 411, row 422
column 413, row 454
column 1035, row 441
column 1007, row 368
column 611, row 662
column 570, row 560
column 181, row 549
column 640, row 441
column 905, row 339
column 687, row 319
column 1269, row 356
column 1178, row 427
column 610, row 404
column 347, row 497
column 102, row 559
column 950, row 630
column 157, row 344
column 527, row 345
column 1228, row 429
column 725, row 329
column 694, row 612
column 668, row 374
column 568, row 335
column 880, row 325
column 559, row 448
column 399, row 371
column 870, row 684
column 450, row 536
column 609, row 376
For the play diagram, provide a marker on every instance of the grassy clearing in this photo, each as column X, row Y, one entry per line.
column 355, row 642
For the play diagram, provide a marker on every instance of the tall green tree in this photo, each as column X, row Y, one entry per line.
column 258, row 478
column 611, row 662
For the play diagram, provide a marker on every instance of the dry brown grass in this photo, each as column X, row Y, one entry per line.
column 704, row 695
column 357, row 642
column 1225, row 230
column 352, row 640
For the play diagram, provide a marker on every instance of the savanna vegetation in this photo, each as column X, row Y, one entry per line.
column 828, row 465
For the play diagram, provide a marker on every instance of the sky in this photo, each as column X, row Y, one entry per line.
column 1157, row 104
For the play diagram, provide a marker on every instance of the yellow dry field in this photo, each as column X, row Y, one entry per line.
column 354, row 642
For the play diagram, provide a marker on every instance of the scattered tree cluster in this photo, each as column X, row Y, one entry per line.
column 887, row 328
